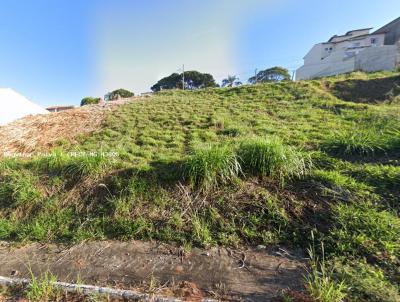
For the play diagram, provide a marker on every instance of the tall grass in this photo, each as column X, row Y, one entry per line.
column 355, row 142
column 19, row 187
column 371, row 136
column 208, row 167
column 42, row 289
column 62, row 163
column 320, row 282
column 270, row 157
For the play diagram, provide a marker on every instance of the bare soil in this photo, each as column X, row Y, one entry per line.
column 39, row 133
column 234, row 275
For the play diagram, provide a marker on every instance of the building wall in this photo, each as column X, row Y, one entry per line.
column 392, row 31
column 369, row 59
column 377, row 58
column 336, row 63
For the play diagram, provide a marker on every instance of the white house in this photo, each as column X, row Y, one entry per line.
column 14, row 106
column 356, row 50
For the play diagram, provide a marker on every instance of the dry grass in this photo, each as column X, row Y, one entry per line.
column 39, row 133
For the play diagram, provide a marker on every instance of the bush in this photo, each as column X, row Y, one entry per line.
column 119, row 93
column 208, row 167
column 89, row 100
column 271, row 158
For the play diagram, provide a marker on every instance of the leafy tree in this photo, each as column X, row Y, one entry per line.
column 89, row 100
column 119, row 93
column 274, row 74
column 231, row 81
column 193, row 80
column 198, row 80
column 173, row 81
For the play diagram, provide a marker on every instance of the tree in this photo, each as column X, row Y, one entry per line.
column 119, row 93
column 231, row 81
column 89, row 100
column 274, row 74
column 193, row 80
column 173, row 81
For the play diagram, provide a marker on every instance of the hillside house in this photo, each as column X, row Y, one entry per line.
column 59, row 108
column 356, row 50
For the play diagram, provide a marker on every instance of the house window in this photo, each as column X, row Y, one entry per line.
column 373, row 40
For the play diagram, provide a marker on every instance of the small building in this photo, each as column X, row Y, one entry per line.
column 358, row 49
column 59, row 108
column 15, row 106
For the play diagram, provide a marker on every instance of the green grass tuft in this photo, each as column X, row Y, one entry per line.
column 19, row 187
column 211, row 166
column 270, row 157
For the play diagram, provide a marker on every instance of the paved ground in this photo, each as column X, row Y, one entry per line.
column 250, row 275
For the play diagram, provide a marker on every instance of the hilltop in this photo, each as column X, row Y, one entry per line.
column 291, row 164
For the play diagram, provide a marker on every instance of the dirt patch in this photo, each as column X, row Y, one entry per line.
column 39, row 133
column 367, row 91
column 249, row 275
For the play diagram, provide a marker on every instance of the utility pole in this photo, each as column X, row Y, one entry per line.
column 183, row 76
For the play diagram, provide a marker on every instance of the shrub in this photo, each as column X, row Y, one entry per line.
column 89, row 100
column 270, row 157
column 209, row 167
column 119, row 93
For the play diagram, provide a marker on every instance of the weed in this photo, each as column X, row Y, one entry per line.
column 201, row 231
column 320, row 282
column 42, row 288
column 19, row 187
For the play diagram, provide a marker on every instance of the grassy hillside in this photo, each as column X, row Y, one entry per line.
column 305, row 164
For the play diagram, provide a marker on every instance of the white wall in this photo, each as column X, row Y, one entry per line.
column 368, row 59
column 377, row 58
column 336, row 63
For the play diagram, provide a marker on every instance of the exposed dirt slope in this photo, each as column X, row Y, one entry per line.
column 41, row 132
column 249, row 275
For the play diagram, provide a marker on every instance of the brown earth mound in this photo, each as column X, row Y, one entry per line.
column 39, row 133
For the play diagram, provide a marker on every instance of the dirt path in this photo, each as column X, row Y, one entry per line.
column 212, row 273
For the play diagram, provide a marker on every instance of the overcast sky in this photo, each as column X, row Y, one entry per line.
column 57, row 52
